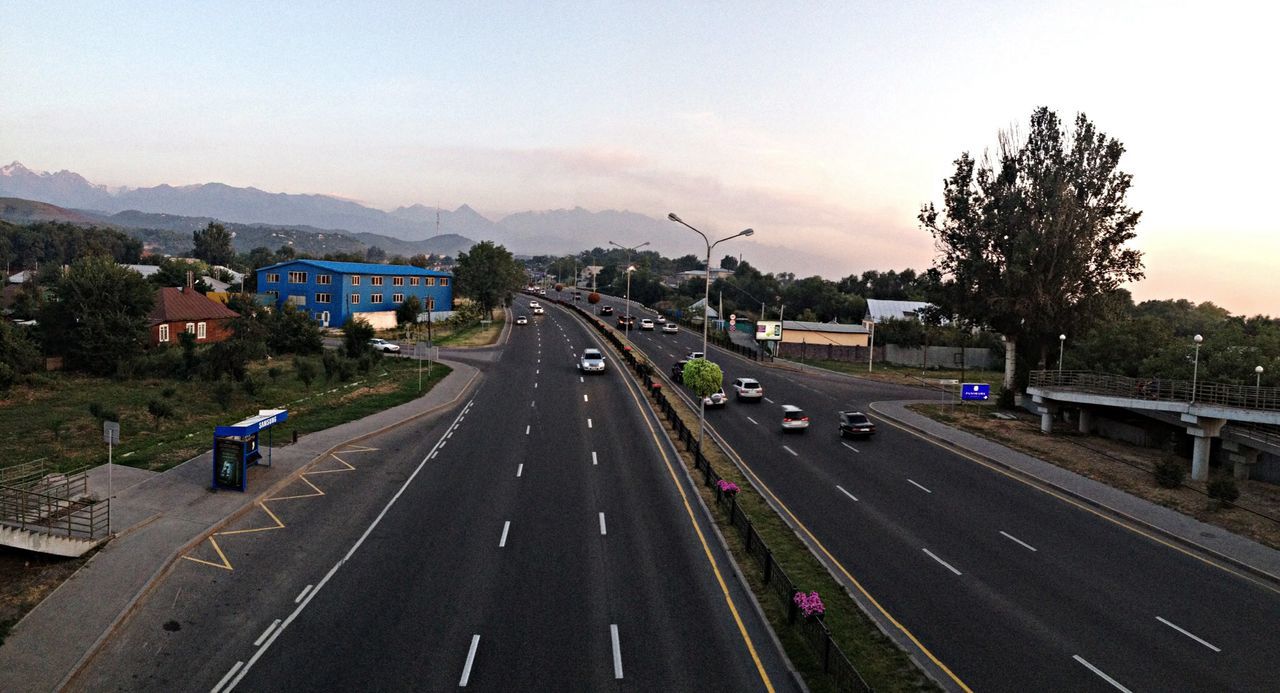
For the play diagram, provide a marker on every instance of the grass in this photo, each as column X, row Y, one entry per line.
column 468, row 336
column 911, row 375
column 51, row 419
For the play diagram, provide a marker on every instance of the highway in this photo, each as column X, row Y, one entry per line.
column 540, row 536
column 1006, row 586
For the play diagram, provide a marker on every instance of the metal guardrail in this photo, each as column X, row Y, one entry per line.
column 1161, row 389
column 74, row 518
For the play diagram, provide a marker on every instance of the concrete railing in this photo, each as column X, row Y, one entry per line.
column 1216, row 394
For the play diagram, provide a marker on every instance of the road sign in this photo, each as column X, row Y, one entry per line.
column 733, row 320
column 975, row 391
column 111, row 432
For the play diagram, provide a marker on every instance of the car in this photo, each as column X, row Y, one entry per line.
column 794, row 418
column 646, row 324
column 534, row 304
column 695, row 355
column 670, row 328
column 577, row 295
column 522, row 319
column 677, row 370
column 606, row 310
column 384, row 346
column 715, row 400
column 748, row 388
column 625, row 321
column 538, row 310
column 542, row 292
column 592, row 361
column 856, row 424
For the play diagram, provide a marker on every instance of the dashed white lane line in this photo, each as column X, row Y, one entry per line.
column 946, row 565
column 593, row 458
column 532, row 401
column 527, row 428
column 850, row 495
column 584, row 398
column 226, row 677
column 535, row 386
column 1101, row 673
column 581, row 380
column 1016, row 540
column 1188, row 634
column 266, row 633
column 753, row 421
column 919, row 486
column 506, row 527
column 302, row 594
column 793, row 452
column 471, row 659
column 602, row 530
column 617, row 651
column 851, row 447
column 520, row 469
column 588, row 423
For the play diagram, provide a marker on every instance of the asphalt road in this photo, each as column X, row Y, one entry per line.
column 1009, row 587
column 539, row 538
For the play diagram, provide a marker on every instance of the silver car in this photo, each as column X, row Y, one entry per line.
column 592, row 361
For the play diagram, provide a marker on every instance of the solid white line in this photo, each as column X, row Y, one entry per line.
column 266, row 632
column 846, row 492
column 1099, row 672
column 617, row 651
column 588, row 423
column 223, row 681
column 520, row 469
column 471, row 658
column 505, row 528
column 1188, row 634
column 593, row 458
column 602, row 532
column 850, row 447
column 526, row 428
column 1012, row 538
column 584, row 398
column 768, row 400
column 793, row 452
column 920, row 487
column 944, row 563
column 753, row 421
column 302, row 594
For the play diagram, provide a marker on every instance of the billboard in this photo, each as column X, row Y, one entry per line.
column 769, row 331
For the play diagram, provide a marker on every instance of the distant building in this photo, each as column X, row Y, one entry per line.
column 805, row 332
column 187, row 310
column 879, row 310
column 716, row 273
column 334, row 292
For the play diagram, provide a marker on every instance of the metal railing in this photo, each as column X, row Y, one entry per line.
column 74, row 518
column 1161, row 389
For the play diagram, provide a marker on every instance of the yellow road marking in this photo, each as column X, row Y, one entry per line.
column 346, row 464
column 278, row 525
column 359, row 448
column 303, row 479
column 225, row 564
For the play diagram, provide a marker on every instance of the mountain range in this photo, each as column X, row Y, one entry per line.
column 183, row 208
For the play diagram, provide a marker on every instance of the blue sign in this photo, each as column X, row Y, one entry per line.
column 978, row 391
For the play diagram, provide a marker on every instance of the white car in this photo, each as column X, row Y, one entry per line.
column 592, row 361
column 715, row 400
column 748, row 388
column 695, row 355
column 670, row 328
column 384, row 346
column 522, row 320
column 646, row 324
column 793, row 418
column 534, row 304
column 538, row 310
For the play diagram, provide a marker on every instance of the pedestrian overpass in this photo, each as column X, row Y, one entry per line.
column 1246, row 418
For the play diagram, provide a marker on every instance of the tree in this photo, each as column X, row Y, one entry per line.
column 488, row 275
column 97, row 317
column 375, row 254
column 356, row 334
column 420, row 260
column 18, row 354
column 407, row 312
column 213, row 244
column 702, row 376
column 1030, row 244
column 729, row 262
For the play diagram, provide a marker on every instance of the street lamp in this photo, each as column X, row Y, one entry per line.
column 630, row 269
column 706, row 307
column 1062, row 342
column 1195, row 368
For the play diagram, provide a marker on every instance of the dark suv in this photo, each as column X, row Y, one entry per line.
column 624, row 322
column 606, row 310
column 856, row 424
column 677, row 370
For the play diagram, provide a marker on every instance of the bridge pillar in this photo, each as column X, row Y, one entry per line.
column 1204, row 429
column 1085, row 422
column 1046, row 408
column 1242, row 458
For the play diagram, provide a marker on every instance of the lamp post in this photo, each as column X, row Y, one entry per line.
column 1257, row 371
column 1062, row 342
column 1195, row 368
column 706, row 308
column 627, row 329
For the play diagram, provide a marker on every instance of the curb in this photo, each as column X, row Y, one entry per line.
column 153, row 581
column 1118, row 514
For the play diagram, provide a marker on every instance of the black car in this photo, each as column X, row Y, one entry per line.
column 856, row 424
column 625, row 322
column 606, row 310
column 677, row 370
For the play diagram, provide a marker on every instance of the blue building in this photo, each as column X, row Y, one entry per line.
column 334, row 292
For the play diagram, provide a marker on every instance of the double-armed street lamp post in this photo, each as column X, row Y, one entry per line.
column 627, row 328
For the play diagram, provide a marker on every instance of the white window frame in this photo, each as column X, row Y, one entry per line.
column 375, row 298
column 415, row 281
column 355, row 280
column 325, row 298
column 164, row 334
column 324, row 279
column 355, row 299
column 431, row 281
column 397, row 281
column 201, row 331
column 191, row 328
column 375, row 281
column 273, row 277
column 297, row 277
column 444, row 281
column 397, row 298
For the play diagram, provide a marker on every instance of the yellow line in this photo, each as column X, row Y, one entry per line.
column 225, row 564
column 359, row 448
column 279, row 524
column 956, row 450
column 724, row 588
column 304, row 480
column 346, row 464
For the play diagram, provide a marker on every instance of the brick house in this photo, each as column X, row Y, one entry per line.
column 187, row 310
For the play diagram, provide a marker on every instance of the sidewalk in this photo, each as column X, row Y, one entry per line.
column 158, row 518
column 1235, row 550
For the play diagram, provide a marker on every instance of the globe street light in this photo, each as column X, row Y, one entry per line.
column 627, row 327
column 1195, row 368
column 1062, row 341
column 1258, row 372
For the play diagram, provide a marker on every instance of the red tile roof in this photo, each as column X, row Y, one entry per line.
column 174, row 305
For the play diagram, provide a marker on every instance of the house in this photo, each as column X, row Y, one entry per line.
column 879, row 310
column 803, row 331
column 716, row 273
column 179, row 310
column 334, row 292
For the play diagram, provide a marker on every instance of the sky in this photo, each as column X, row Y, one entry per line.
column 823, row 126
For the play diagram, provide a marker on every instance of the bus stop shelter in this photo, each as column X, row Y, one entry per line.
column 235, row 448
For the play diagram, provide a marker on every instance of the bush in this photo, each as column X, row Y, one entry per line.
column 168, row 391
column 331, row 362
column 274, row 373
column 102, row 413
column 160, row 409
column 1224, row 490
column 249, row 385
column 306, row 370
column 222, row 391
column 1170, row 472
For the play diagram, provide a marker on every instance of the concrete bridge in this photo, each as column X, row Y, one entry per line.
column 1246, row 418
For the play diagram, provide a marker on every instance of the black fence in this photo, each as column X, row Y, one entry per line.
column 812, row 630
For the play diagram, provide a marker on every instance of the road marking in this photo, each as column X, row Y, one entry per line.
column 753, row 421
column 581, row 380
column 846, row 492
column 1099, row 672
column 850, row 447
column 1188, row 634
column 506, row 527
column 535, row 386
column 584, row 398
column 471, row 658
column 520, row 469
column 593, row 458
column 617, row 651
column 793, row 452
column 920, row 487
column 432, row 456
column 266, row 632
column 223, row 681
column 768, row 400
column 588, row 423
column 602, row 530
column 944, row 563
column 531, row 402
column 537, row 371
column 527, row 428
column 1012, row 538
column 302, row 594
column 449, row 434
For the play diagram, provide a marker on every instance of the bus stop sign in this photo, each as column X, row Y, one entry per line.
column 975, row 391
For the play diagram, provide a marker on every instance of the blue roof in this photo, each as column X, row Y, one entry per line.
column 363, row 268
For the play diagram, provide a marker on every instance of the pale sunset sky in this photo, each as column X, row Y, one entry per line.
column 824, row 126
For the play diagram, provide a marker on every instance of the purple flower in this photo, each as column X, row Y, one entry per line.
column 810, row 604
column 727, row 487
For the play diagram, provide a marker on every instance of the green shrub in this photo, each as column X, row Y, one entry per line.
column 102, row 413
column 306, row 370
column 249, row 385
column 168, row 392
column 1170, row 472
column 222, row 391
column 160, row 409
column 1224, row 490
column 274, row 373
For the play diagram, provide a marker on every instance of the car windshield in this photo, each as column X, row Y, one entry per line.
column 857, row 418
column 750, row 383
column 591, row 354
column 793, row 414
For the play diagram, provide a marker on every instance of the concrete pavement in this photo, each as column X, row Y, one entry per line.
column 158, row 518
